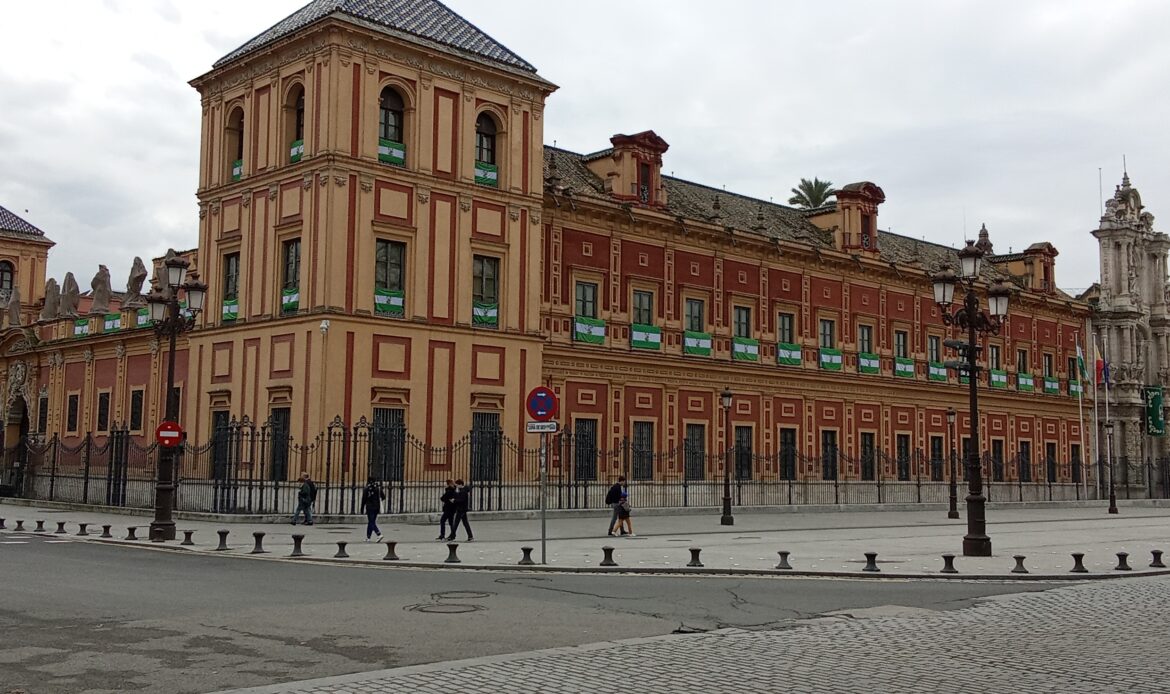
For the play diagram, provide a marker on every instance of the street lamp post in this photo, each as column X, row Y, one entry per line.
column 170, row 322
column 1109, row 452
column 727, row 519
column 976, row 543
column 953, row 511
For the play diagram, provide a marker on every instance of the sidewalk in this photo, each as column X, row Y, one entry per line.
column 908, row 543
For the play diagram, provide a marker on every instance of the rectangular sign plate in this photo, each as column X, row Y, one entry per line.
column 541, row 427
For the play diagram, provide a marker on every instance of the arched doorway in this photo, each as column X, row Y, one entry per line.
column 14, row 441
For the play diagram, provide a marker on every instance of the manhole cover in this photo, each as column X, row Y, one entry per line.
column 439, row 608
column 460, row 595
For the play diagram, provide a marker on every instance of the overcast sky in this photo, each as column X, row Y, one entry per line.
column 964, row 112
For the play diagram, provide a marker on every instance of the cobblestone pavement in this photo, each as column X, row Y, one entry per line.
column 1094, row 637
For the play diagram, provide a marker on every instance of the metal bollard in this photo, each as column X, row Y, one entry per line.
column 784, row 565
column 132, row 532
column 2, row 526
column 60, row 528
column 1078, row 563
column 1157, row 562
column 223, row 535
column 949, row 564
column 391, row 555
column 81, row 529
column 297, row 540
column 695, row 557
column 187, row 541
column 526, row 560
column 1019, row 567
column 341, row 553
column 106, row 531
column 607, row 560
column 19, row 526
column 452, row 554
column 871, row 562
column 40, row 527
column 1122, row 563
column 259, row 548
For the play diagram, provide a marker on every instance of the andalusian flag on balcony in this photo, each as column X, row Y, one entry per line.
column 290, row 299
column 143, row 318
column 937, row 371
column 1025, row 383
column 391, row 152
column 230, row 310
column 1051, row 386
column 788, row 354
column 237, row 169
column 831, row 359
column 80, row 327
column 296, row 150
column 868, row 363
column 1076, row 388
column 112, row 322
column 998, row 378
column 696, row 343
column 485, row 314
column 589, row 330
column 904, row 367
column 745, row 349
column 390, row 302
column 645, row 336
column 964, row 378
column 486, row 174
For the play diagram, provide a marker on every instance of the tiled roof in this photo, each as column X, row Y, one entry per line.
column 425, row 19
column 9, row 222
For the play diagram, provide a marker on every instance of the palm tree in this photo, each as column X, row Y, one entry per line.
column 810, row 194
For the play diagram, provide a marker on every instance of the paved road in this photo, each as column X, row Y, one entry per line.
column 84, row 617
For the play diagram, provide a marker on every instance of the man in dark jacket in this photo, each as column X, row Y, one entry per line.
column 372, row 499
column 462, row 499
column 306, row 495
column 448, row 518
column 613, row 499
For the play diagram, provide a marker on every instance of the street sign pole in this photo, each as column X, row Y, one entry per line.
column 543, row 470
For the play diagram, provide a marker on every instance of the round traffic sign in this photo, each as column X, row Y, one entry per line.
column 541, row 404
column 169, row 434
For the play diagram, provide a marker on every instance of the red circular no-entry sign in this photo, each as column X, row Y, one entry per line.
column 541, row 404
column 169, row 434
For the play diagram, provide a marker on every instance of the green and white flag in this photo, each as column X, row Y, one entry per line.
column 1051, row 386
column 237, row 169
column 788, row 354
column 937, row 371
column 745, row 349
column 868, row 363
column 830, row 359
column 904, row 367
column 391, row 152
column 80, row 327
column 645, row 336
column 1025, row 383
column 486, row 174
column 590, row 330
column 296, row 150
column 113, row 321
column 143, row 318
column 230, row 310
column 696, row 343
column 484, row 313
column 964, row 378
column 290, row 299
column 997, row 378
column 1076, row 388
column 389, row 302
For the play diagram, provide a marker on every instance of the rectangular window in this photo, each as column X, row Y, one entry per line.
column 1025, row 461
column 743, row 321
column 43, row 415
column 828, row 333
column 993, row 359
column 786, row 328
column 868, row 455
column 136, row 405
column 996, row 460
column 644, row 182
column 1074, row 454
column 966, row 447
column 1050, row 460
column 743, row 453
column 695, row 452
column 934, row 348
column 902, row 445
column 828, row 454
column 901, row 346
column 389, row 265
column 290, row 297
column 695, row 322
column 936, row 458
column 585, row 449
column 231, row 276
column 221, row 456
column 1022, row 361
column 788, row 454
column 486, row 447
column 280, row 433
column 865, row 339
column 388, row 444
column 485, row 291
column 644, row 308
column 74, row 403
column 587, row 299
column 1074, row 374
column 103, row 412
column 1048, row 366
column 643, row 450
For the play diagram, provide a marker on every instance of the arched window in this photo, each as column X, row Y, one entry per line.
column 6, row 278
column 486, row 172
column 391, row 128
column 234, row 144
column 295, row 123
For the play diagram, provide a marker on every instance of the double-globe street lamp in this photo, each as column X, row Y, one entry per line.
column 969, row 316
column 725, row 398
column 170, row 320
column 953, row 510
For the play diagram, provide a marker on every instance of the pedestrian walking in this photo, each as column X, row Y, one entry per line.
column 462, row 497
column 372, row 500
column 448, row 517
column 623, row 512
column 612, row 499
column 306, row 495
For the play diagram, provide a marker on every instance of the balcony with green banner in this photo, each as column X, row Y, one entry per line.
column 230, row 310
column 788, row 354
column 290, row 299
column 112, row 322
column 964, row 379
column 142, row 318
column 485, row 314
column 998, row 378
column 1025, row 383
column 645, row 336
column 904, row 367
column 868, row 363
column 1051, row 386
column 830, row 359
column 697, row 344
column 237, row 169
column 745, row 349
column 936, row 371
column 390, row 302
column 81, row 327
column 486, row 174
column 391, row 152
column 589, row 330
column 1076, row 389
column 296, row 150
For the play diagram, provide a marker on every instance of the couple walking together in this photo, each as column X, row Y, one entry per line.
column 455, row 500
column 618, row 498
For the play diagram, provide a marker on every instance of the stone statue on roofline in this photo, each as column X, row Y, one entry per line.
column 14, row 307
column 52, row 300
column 101, row 291
column 134, row 284
column 70, row 295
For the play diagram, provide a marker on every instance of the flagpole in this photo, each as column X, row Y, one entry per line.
column 1081, row 405
column 1108, row 420
column 1096, row 423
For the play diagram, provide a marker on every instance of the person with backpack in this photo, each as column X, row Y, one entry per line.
column 372, row 499
column 448, row 517
column 462, row 501
column 612, row 499
column 306, row 495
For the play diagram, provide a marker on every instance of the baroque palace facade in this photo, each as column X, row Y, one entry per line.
column 386, row 236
